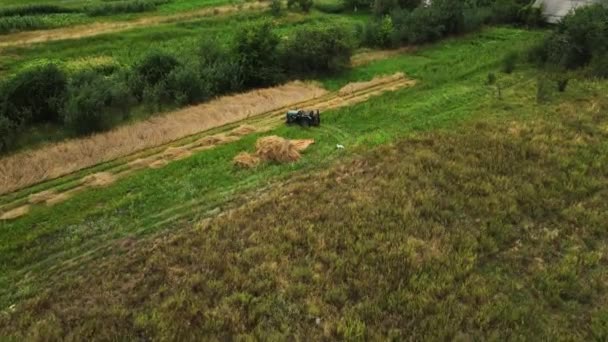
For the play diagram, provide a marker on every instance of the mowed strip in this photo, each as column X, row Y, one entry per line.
column 349, row 95
column 90, row 30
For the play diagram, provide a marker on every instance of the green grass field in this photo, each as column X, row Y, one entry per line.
column 452, row 214
column 80, row 16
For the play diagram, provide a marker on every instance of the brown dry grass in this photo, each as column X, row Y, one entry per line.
column 357, row 86
column 273, row 148
column 277, row 149
column 243, row 130
column 367, row 57
column 41, row 196
column 61, row 158
column 89, row 30
column 99, row 179
column 15, row 213
column 246, row 160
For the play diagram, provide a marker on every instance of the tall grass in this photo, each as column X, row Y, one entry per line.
column 21, row 23
column 34, row 10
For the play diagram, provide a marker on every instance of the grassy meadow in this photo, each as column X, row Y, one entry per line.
column 456, row 211
column 470, row 206
column 80, row 12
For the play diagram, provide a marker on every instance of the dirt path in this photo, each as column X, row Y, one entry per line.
column 160, row 156
column 89, row 30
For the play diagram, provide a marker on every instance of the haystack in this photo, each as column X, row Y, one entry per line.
column 243, row 130
column 274, row 148
column 246, row 160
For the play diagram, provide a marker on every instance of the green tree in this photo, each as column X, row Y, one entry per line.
column 256, row 45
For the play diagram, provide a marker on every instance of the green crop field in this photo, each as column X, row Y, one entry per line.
column 471, row 205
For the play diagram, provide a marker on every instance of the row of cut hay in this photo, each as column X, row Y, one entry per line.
column 357, row 86
column 273, row 149
column 62, row 158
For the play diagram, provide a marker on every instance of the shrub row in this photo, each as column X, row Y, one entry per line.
column 414, row 22
column 88, row 101
column 579, row 41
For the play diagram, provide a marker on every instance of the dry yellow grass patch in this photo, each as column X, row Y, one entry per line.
column 41, row 196
column 367, row 57
column 243, row 130
column 15, row 213
column 59, row 159
column 273, row 148
column 99, row 179
column 376, row 81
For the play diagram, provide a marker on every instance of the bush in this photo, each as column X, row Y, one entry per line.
column 419, row 26
column 599, row 65
column 153, row 69
column 509, row 62
column 580, row 39
column 7, row 131
column 320, row 49
column 331, row 7
column 276, row 7
column 95, row 103
column 384, row 7
column 304, row 5
column 186, row 85
column 379, row 33
column 256, row 46
column 35, row 95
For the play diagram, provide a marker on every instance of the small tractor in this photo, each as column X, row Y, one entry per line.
column 304, row 118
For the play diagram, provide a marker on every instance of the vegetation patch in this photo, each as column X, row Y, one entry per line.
column 495, row 228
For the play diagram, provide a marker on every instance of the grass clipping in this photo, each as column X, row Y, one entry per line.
column 273, row 149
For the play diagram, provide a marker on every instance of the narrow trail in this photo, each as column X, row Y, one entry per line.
column 98, row 28
column 162, row 155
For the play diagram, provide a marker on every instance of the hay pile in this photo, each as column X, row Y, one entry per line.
column 378, row 80
column 41, row 197
column 99, row 179
column 274, row 149
column 243, row 130
column 246, row 160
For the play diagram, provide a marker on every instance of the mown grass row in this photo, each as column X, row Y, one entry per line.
column 82, row 223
